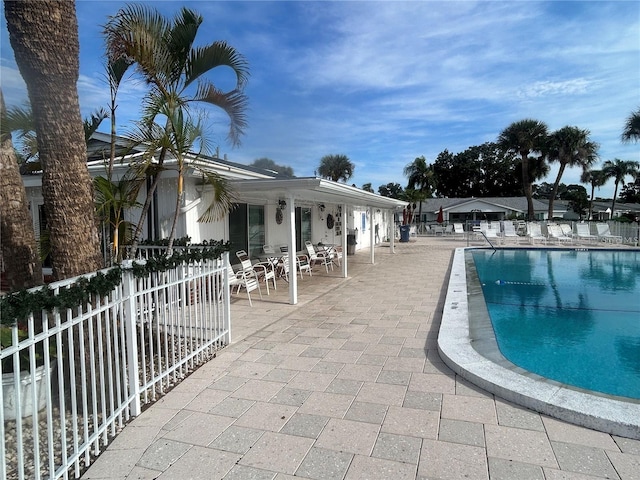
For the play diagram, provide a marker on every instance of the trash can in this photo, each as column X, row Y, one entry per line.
column 351, row 244
column 404, row 233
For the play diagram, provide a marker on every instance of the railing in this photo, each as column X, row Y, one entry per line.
column 89, row 369
column 629, row 233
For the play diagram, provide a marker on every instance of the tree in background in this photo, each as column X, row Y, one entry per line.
column 268, row 164
column 44, row 38
column 19, row 252
column 421, row 179
column 596, row 178
column 163, row 54
column 630, row 193
column 391, row 190
column 525, row 137
column 619, row 170
column 578, row 199
column 336, row 167
column 367, row 187
column 480, row 171
column 570, row 147
column 631, row 130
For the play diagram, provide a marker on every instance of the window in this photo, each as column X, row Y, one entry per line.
column 246, row 229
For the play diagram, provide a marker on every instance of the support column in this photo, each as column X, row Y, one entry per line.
column 372, row 238
column 345, row 231
column 293, row 264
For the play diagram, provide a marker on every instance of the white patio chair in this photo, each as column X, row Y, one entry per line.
column 264, row 271
column 304, row 264
column 584, row 233
column 246, row 279
column 604, row 233
column 321, row 258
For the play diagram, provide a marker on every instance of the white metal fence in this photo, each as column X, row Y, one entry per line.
column 87, row 370
column 629, row 233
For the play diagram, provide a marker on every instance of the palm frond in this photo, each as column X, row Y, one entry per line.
column 217, row 54
column 223, row 200
column 234, row 103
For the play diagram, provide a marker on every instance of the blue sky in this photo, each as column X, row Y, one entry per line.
column 385, row 82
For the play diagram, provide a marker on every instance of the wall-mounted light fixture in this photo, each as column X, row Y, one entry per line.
column 321, row 207
column 282, row 204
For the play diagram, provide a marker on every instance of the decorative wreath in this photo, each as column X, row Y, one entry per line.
column 278, row 215
column 330, row 221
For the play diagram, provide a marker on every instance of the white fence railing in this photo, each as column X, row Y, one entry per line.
column 629, row 233
column 87, row 370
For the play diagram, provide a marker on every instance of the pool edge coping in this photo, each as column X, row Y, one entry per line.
column 454, row 346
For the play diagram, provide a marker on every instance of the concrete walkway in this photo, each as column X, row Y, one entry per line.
column 348, row 384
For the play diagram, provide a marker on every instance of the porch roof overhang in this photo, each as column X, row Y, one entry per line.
column 310, row 190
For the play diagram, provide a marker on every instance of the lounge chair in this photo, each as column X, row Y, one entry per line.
column 583, row 233
column 321, row 258
column 509, row 231
column 264, row 271
column 534, row 232
column 490, row 231
column 604, row 233
column 458, row 230
column 555, row 233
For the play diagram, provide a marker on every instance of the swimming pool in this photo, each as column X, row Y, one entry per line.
column 467, row 344
column 569, row 315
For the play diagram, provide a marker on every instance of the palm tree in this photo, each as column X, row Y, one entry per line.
column 336, row 167
column 619, row 170
column 570, row 147
column 524, row 138
column 19, row 247
column 163, row 54
column 112, row 199
column 631, row 130
column 44, row 37
column 421, row 179
column 597, row 179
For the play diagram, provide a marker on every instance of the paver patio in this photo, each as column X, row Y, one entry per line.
column 348, row 384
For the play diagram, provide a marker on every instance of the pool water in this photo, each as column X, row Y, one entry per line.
column 568, row 315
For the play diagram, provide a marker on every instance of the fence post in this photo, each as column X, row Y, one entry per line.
column 131, row 337
column 227, row 298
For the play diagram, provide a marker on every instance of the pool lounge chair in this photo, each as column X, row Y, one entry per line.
column 490, row 231
column 604, row 234
column 555, row 233
column 509, row 232
column 583, row 233
column 458, row 230
column 534, row 232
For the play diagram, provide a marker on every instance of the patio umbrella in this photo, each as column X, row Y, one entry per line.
column 440, row 218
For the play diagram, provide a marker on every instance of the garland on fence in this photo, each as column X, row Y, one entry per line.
column 17, row 307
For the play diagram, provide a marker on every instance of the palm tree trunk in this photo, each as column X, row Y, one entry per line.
column 19, row 247
column 526, row 186
column 554, row 191
column 177, row 210
column 44, row 37
column 613, row 203
column 593, row 191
